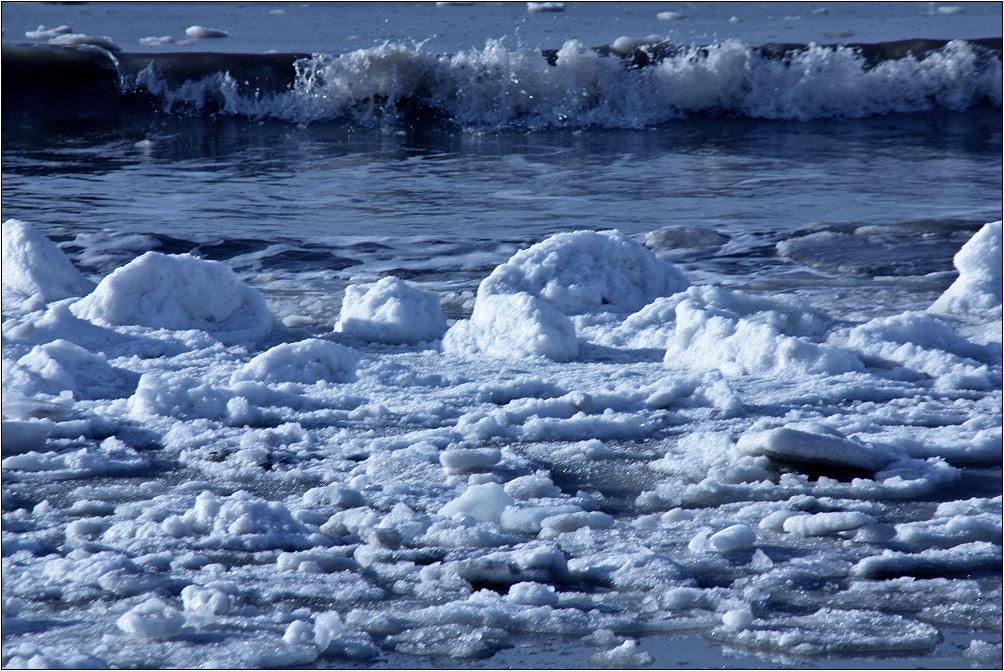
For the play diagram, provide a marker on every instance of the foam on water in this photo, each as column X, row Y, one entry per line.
column 499, row 88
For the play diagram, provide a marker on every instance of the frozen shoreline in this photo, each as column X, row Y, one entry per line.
column 601, row 450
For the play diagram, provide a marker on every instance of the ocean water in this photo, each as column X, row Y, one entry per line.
column 503, row 334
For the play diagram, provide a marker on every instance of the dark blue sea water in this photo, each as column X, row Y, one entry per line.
column 835, row 153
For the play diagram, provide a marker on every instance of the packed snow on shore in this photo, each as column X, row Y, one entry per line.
column 599, row 449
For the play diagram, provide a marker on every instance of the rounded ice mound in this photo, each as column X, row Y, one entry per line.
column 305, row 362
column 979, row 284
column 513, row 326
column 815, row 448
column 178, row 292
column 35, row 270
column 391, row 311
column 583, row 271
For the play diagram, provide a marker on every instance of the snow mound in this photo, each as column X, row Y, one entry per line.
column 306, row 362
column 708, row 337
column 978, row 287
column 60, row 366
column 586, row 271
column 391, row 311
column 178, row 292
column 513, row 326
column 35, row 270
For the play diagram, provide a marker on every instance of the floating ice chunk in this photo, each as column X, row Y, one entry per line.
column 483, row 502
column 469, row 459
column 203, row 604
column 153, row 619
column 299, row 632
column 538, row 485
column 450, row 640
column 669, row 16
column 539, row 7
column 965, row 558
column 978, row 287
column 391, row 311
column 43, row 33
column 813, row 447
column 680, row 598
column 566, row 522
column 586, row 271
column 513, row 326
column 730, row 539
column 35, row 270
column 738, row 618
column 156, row 42
column 539, row 562
column 336, row 495
column 533, row 594
column 240, row 521
column 201, row 32
column 333, row 637
column 821, row 524
column 305, row 362
column 624, row 656
column 834, row 632
column 178, row 292
column 75, row 39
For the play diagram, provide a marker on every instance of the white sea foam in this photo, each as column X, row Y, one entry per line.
column 498, row 88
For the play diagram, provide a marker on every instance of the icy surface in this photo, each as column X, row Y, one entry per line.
column 599, row 449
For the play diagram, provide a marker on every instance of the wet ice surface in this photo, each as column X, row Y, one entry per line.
column 198, row 475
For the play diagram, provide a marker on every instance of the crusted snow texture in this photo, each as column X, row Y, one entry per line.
column 586, row 271
column 35, row 270
column 178, row 292
column 391, row 311
column 978, row 287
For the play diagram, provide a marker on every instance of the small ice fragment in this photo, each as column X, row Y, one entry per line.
column 669, row 16
column 152, row 619
column 735, row 537
column 201, row 32
column 538, row 7
column 820, row 12
column 484, row 502
column 299, row 632
column 625, row 45
column 76, row 39
column 734, row 20
column 950, row 9
column 156, row 41
column 462, row 460
column 821, row 524
column 624, row 656
column 740, row 618
column 43, row 33
column 533, row 594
